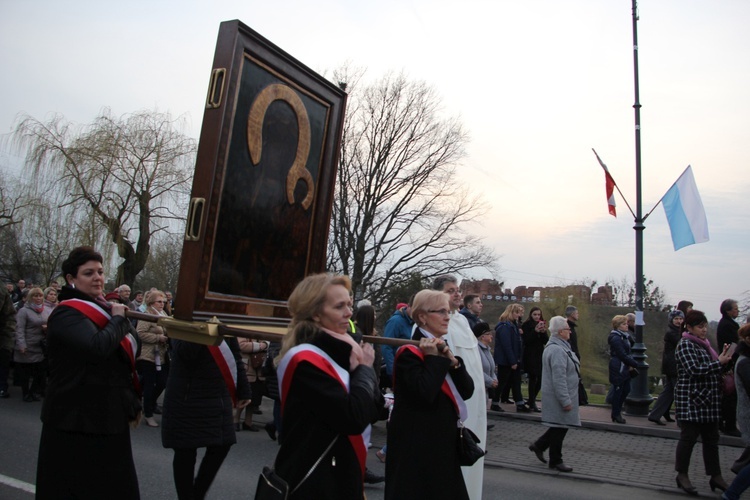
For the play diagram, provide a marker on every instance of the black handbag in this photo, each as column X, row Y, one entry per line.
column 271, row 486
column 468, row 446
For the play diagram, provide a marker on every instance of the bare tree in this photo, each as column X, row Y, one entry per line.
column 398, row 209
column 12, row 201
column 127, row 173
column 163, row 266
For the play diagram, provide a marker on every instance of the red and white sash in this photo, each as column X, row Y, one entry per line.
column 448, row 387
column 100, row 318
column 224, row 358
column 322, row 361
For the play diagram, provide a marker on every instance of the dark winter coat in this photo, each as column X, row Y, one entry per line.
column 697, row 394
column 90, row 387
column 317, row 408
column 574, row 339
column 726, row 333
column 620, row 361
column 533, row 347
column 197, row 405
column 671, row 338
column 422, row 459
column 507, row 344
column 742, row 382
column 472, row 318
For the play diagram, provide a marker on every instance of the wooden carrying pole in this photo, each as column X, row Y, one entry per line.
column 212, row 332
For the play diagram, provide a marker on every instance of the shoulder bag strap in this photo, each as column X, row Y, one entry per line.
column 315, row 465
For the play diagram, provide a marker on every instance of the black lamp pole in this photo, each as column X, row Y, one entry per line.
column 639, row 398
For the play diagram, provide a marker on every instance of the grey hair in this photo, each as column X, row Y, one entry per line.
column 556, row 324
column 363, row 302
column 630, row 316
column 570, row 310
column 440, row 281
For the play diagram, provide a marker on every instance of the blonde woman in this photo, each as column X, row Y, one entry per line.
column 153, row 363
column 622, row 366
column 508, row 353
column 328, row 393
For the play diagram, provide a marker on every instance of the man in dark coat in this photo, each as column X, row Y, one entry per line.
column 7, row 338
column 472, row 309
column 571, row 314
column 726, row 333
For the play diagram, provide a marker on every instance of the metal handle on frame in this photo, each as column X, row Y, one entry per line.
column 195, row 219
column 216, row 88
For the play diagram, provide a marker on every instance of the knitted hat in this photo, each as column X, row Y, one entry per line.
column 401, row 305
column 676, row 314
column 113, row 296
column 481, row 328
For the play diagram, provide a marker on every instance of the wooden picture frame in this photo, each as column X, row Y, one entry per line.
column 261, row 199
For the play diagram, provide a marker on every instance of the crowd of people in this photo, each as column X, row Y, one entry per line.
column 100, row 373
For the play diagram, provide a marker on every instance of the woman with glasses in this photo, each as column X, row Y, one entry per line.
column 153, row 363
column 560, row 378
column 484, row 335
column 430, row 386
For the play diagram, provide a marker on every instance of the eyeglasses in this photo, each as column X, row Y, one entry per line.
column 441, row 312
column 160, row 301
column 566, row 330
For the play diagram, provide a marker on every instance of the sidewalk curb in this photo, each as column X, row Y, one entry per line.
column 639, row 430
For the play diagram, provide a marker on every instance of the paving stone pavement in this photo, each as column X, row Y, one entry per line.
column 639, row 453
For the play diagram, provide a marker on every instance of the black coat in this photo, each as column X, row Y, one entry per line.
column 197, row 405
column 318, row 408
column 671, row 338
column 726, row 332
column 533, row 347
column 574, row 339
column 621, row 360
column 90, row 386
column 422, row 457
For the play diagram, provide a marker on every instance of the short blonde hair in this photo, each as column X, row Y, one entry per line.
column 152, row 296
column 426, row 300
column 618, row 320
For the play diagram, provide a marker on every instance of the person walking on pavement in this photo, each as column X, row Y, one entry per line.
column 560, row 376
column 668, row 368
column 534, row 339
column 622, row 366
column 726, row 333
column 698, row 401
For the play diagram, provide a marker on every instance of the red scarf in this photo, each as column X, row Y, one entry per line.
column 100, row 318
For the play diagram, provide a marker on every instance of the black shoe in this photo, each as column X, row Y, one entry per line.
column 271, row 430
column 495, row 407
column 539, row 453
column 523, row 409
column 668, row 418
column 536, row 409
column 4, row 394
column 157, row 410
column 656, row 421
column 718, row 482
column 29, row 398
column 372, row 478
column 490, row 426
column 732, row 432
column 250, row 427
column 257, row 411
column 683, row 482
column 237, row 427
column 561, row 467
column 507, row 401
column 618, row 419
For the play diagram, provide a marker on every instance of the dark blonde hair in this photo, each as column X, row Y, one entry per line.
column 618, row 320
column 306, row 301
column 505, row 316
column 34, row 291
column 152, row 296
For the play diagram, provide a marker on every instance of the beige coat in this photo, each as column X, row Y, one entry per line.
column 247, row 347
column 150, row 333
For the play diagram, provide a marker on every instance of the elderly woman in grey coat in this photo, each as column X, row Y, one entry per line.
column 31, row 322
column 560, row 377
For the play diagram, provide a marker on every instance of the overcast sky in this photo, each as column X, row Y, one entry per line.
column 537, row 84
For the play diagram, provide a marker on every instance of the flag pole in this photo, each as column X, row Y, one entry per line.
column 639, row 398
column 616, row 186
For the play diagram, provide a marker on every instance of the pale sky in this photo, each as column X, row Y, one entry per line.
column 537, row 84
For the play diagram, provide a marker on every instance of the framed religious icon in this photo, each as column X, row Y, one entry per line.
column 261, row 199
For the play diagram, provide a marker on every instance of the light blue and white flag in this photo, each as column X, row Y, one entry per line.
column 685, row 213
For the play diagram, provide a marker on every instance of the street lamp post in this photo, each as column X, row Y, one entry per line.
column 639, row 398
